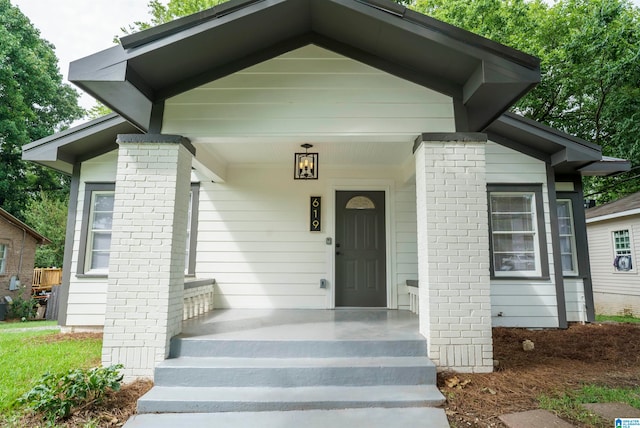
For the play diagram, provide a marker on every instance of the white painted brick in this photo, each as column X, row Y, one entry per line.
column 160, row 174
column 453, row 253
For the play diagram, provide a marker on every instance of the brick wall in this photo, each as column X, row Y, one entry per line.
column 617, row 304
column 453, row 254
column 146, row 266
column 12, row 236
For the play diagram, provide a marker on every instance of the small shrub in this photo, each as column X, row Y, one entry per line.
column 22, row 308
column 57, row 395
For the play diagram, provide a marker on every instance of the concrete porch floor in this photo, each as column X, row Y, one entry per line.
column 303, row 324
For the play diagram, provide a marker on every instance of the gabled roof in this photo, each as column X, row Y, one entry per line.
column 136, row 77
column 8, row 218
column 484, row 78
column 629, row 205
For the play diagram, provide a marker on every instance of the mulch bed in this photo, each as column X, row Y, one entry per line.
column 605, row 354
column 113, row 412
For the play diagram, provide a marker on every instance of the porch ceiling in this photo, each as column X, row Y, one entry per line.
column 134, row 78
column 332, row 152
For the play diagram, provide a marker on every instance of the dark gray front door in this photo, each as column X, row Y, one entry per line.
column 361, row 267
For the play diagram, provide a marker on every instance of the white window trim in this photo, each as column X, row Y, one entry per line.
column 4, row 249
column 91, row 233
column 614, row 253
column 574, row 248
column 538, row 271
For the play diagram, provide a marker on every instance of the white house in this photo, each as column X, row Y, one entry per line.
column 613, row 230
column 419, row 174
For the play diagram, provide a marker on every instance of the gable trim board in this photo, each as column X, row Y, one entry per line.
column 463, row 87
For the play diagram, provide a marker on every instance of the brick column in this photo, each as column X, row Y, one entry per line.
column 146, row 266
column 453, row 250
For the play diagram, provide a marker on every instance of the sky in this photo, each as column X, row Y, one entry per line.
column 78, row 28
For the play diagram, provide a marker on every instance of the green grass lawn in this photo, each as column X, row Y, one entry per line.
column 26, row 356
column 27, row 324
column 617, row 318
column 570, row 404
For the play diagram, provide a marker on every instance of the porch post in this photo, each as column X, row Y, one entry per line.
column 146, row 266
column 453, row 250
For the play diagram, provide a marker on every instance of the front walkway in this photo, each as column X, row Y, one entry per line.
column 302, row 324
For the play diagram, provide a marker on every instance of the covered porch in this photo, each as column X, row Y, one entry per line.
column 344, row 324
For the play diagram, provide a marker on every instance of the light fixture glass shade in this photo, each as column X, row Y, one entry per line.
column 306, row 165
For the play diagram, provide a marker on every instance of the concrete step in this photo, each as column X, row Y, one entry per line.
column 295, row 372
column 199, row 347
column 370, row 418
column 248, row 399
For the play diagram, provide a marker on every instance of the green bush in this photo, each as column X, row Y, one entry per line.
column 21, row 308
column 57, row 395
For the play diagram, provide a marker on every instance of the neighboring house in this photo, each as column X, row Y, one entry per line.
column 17, row 255
column 422, row 175
column 613, row 230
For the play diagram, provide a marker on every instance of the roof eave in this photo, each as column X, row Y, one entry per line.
column 61, row 151
column 605, row 167
column 42, row 240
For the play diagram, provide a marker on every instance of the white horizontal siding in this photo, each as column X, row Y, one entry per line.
column 575, row 299
column 88, row 296
column 406, row 241
column 518, row 304
column 615, row 293
column 254, row 239
column 308, row 92
column 522, row 303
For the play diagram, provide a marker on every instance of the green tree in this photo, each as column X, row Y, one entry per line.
column 34, row 103
column 98, row 110
column 48, row 215
column 590, row 63
column 161, row 13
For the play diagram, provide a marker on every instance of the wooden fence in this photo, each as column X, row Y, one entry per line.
column 43, row 280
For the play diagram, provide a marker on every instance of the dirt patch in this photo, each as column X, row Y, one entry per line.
column 66, row 337
column 562, row 360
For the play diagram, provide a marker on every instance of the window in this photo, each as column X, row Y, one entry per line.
column 622, row 260
column 95, row 240
column 517, row 231
column 360, row 203
column 568, row 251
column 3, row 259
column 96, row 233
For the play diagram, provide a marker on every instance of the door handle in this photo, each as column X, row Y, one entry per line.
column 337, row 245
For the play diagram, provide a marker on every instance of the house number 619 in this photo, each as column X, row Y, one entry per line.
column 315, row 224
